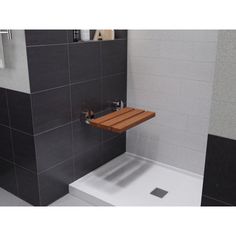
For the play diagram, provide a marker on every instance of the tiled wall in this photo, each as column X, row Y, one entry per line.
column 219, row 186
column 171, row 73
column 51, row 145
column 223, row 110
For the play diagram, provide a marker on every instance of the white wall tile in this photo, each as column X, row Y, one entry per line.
column 198, row 125
column 140, row 34
column 176, row 50
column 174, row 68
column 223, row 110
column 203, row 51
column 142, row 47
column 196, row 89
column 171, row 73
column 15, row 75
column 185, row 35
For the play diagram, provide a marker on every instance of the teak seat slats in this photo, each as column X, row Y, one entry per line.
column 122, row 120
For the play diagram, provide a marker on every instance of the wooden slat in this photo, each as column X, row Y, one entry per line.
column 121, row 118
column 98, row 121
column 129, row 123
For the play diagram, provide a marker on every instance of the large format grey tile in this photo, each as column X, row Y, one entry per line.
column 5, row 143
column 42, row 37
column 53, row 147
column 85, row 137
column 114, row 56
column 24, row 150
column 4, row 119
column 51, row 109
column 87, row 161
column 85, row 61
column 48, row 67
column 7, row 176
column 114, row 89
column 20, row 111
column 54, row 182
column 85, row 96
column 28, row 188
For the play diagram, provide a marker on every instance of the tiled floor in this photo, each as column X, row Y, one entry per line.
column 8, row 199
column 129, row 180
column 70, row 200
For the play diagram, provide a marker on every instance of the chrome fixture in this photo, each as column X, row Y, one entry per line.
column 117, row 105
column 88, row 115
column 8, row 32
column 76, row 35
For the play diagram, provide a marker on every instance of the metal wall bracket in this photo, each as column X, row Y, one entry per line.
column 117, row 105
column 88, row 115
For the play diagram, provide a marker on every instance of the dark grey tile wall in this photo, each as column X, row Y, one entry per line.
column 24, row 150
column 39, row 37
column 48, row 66
column 114, row 59
column 5, row 143
column 211, row 202
column 18, row 166
column 85, row 61
column 51, row 109
column 4, row 119
column 220, row 172
column 7, row 176
column 85, row 96
column 44, row 142
column 19, row 105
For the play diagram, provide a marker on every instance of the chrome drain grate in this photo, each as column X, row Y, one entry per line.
column 158, row 192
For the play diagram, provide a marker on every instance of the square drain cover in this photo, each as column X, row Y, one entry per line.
column 158, row 192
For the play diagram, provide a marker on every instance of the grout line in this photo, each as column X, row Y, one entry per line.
column 220, row 201
column 76, row 83
column 170, row 76
column 130, row 55
column 35, row 150
column 101, row 83
column 12, row 143
column 71, row 112
column 6, row 160
column 111, row 75
column 20, row 131
column 59, row 163
column 71, row 83
column 73, row 43
column 49, row 89
column 65, row 124
column 46, row 45
column 109, row 139
column 51, row 129
column 170, row 41
column 35, row 172
column 85, row 81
